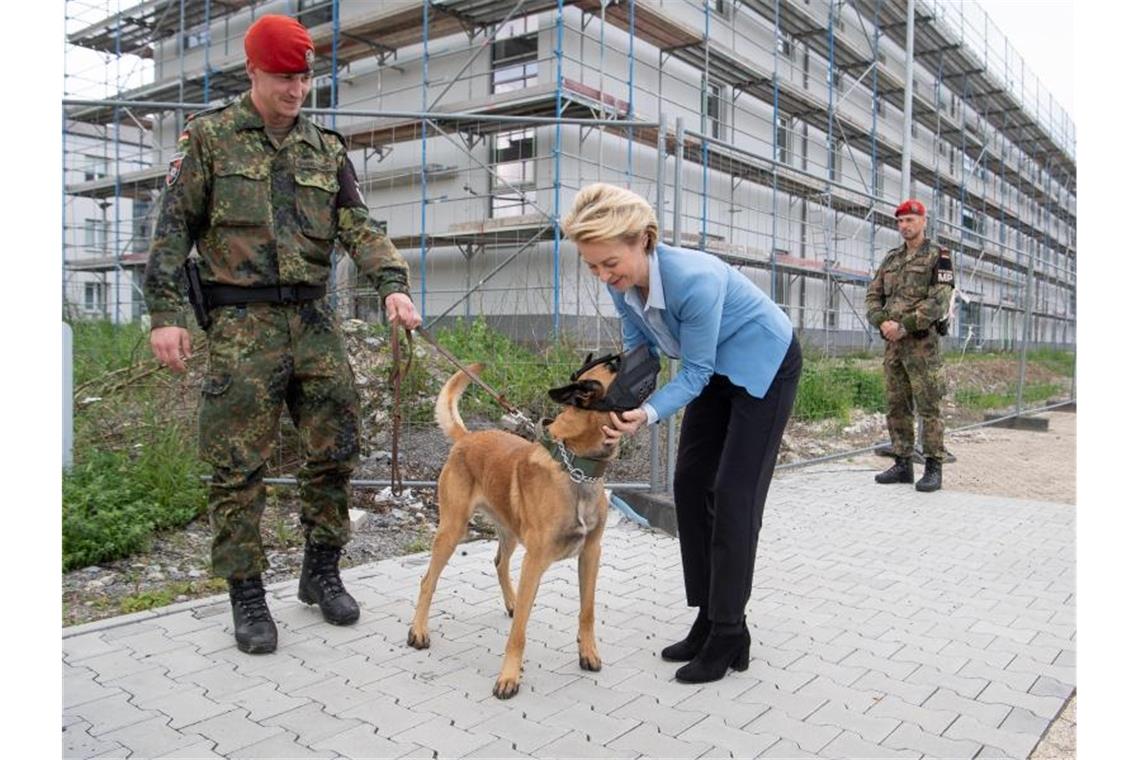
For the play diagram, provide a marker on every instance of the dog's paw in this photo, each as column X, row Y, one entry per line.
column 418, row 640
column 506, row 687
column 591, row 662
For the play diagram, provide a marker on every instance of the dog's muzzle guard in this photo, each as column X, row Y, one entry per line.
column 636, row 379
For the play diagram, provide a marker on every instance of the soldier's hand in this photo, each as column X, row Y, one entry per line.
column 892, row 330
column 171, row 346
column 401, row 311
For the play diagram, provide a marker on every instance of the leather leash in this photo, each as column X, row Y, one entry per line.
column 500, row 399
column 396, row 377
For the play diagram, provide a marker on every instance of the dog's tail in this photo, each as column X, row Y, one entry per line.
column 447, row 405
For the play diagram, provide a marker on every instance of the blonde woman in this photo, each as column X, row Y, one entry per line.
column 740, row 365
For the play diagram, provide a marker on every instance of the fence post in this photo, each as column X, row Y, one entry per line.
column 68, row 404
column 1025, row 331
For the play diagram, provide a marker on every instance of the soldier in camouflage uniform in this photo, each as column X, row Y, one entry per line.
column 908, row 301
column 263, row 193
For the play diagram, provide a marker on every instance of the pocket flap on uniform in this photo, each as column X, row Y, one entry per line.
column 255, row 170
column 322, row 180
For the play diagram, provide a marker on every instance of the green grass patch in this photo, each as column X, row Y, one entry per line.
column 523, row 375
column 830, row 389
column 1034, row 393
column 1055, row 360
column 113, row 501
column 100, row 347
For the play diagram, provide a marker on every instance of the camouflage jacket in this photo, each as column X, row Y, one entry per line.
column 260, row 215
column 912, row 289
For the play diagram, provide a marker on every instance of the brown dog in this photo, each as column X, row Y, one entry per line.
column 527, row 489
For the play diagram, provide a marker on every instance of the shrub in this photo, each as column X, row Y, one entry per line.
column 113, row 501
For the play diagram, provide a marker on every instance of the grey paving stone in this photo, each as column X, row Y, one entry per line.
column 281, row 746
column 575, row 744
column 1050, row 687
column 857, row 700
column 784, row 750
column 150, row 642
column 1016, row 680
column 870, row 727
column 153, row 737
column 178, row 662
column 232, row 730
column 309, row 723
column 202, row 749
column 875, row 681
column 929, row 720
column 109, row 713
column 727, row 707
column 597, row 727
column 1066, row 658
column 726, row 739
column 967, row 688
column 223, row 680
column 1015, row 743
column 79, row 686
column 910, row 737
column 1046, row 707
column 1022, row 721
column 806, row 736
column 647, row 710
column 647, row 740
column 187, row 706
column 77, row 648
column 896, row 669
column 361, row 741
column 526, row 733
column 994, row 753
column 385, row 715
column 78, row 743
column 851, row 746
column 115, row 664
column 798, row 706
column 264, row 701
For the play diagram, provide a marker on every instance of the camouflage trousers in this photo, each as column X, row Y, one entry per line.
column 912, row 370
column 263, row 357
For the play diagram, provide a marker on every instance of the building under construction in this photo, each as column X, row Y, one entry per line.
column 773, row 133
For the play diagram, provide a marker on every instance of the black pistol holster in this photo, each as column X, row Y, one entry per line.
column 196, row 294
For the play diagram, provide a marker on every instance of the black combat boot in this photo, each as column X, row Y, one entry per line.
column 320, row 584
column 902, row 471
column 931, row 477
column 727, row 646
column 687, row 648
column 254, row 628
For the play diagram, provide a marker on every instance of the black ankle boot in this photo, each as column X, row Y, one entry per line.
column 726, row 646
column 254, row 629
column 321, row 584
column 687, row 648
column 902, row 471
column 931, row 477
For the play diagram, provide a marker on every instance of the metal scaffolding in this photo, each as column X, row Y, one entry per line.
column 501, row 109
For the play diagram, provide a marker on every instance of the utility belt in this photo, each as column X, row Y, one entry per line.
column 236, row 295
column 204, row 298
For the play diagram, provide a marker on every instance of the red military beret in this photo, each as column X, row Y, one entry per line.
column 911, row 206
column 279, row 45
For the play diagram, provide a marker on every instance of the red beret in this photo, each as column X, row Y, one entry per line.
column 911, row 206
column 279, row 44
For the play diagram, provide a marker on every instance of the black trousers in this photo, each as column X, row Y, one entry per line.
column 725, row 460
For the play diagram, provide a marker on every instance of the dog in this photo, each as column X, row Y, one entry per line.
column 537, row 494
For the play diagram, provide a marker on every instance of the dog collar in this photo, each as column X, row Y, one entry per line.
column 579, row 468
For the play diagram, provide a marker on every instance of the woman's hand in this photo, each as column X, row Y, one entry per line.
column 625, row 423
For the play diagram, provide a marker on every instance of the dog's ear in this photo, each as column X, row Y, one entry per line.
column 583, row 392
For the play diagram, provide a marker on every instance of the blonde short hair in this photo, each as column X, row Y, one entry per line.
column 607, row 212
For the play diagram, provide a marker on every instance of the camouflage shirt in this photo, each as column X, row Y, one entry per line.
column 912, row 289
column 260, row 215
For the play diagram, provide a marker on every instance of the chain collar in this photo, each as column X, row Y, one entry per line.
column 580, row 469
